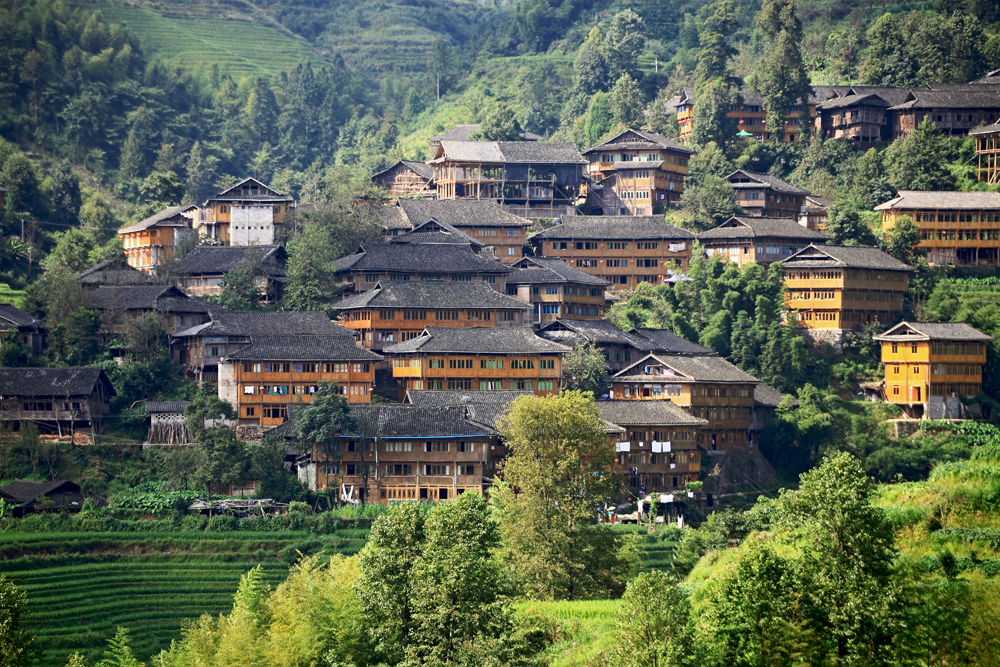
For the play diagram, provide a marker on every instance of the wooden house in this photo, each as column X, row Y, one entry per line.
column 555, row 289
column 29, row 330
column 406, row 179
column 987, row 153
column 861, row 119
column 395, row 312
column 167, row 423
column 58, row 495
column 244, row 214
column 484, row 358
column 619, row 348
column 815, row 211
column 151, row 242
column 118, row 304
column 931, row 366
column 275, row 371
column 659, row 448
column 483, row 220
column 202, row 271
column 766, row 195
column 840, row 287
column 199, row 350
column 955, row 110
column 956, row 228
column 624, row 250
column 533, row 179
column 667, row 342
column 62, row 401
column 639, row 173
column 747, row 239
column 707, row 387
column 751, row 117
column 387, row 262
column 115, row 272
column 433, row 232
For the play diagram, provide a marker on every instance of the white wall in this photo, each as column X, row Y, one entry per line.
column 228, row 390
column 251, row 225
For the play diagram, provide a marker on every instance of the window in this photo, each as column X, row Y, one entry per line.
column 215, row 352
column 466, row 446
column 492, row 280
column 460, row 385
column 550, row 310
column 520, row 385
column 478, row 315
column 430, row 446
column 460, row 363
column 522, row 364
column 363, row 368
column 371, row 277
column 437, row 470
column 490, row 385
column 436, row 363
column 545, row 385
column 616, row 262
column 250, row 411
column 559, row 245
column 552, row 290
column 387, row 314
column 511, row 251
column 647, row 245
column 414, row 314
column 248, row 389
column 491, row 363
column 462, row 279
column 587, row 245
column 335, row 368
column 399, row 469
column 399, row 276
column 513, row 232
column 446, row 315
column 547, row 363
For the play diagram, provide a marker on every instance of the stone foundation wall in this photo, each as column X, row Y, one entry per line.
column 816, row 337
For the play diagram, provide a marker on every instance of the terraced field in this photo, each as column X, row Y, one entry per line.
column 82, row 586
column 197, row 38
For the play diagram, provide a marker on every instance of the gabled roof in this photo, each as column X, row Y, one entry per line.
column 163, row 298
column 74, row 381
column 922, row 199
column 114, row 272
column 280, row 323
column 615, row 228
column 421, row 169
column 988, row 78
column 531, row 270
column 868, row 99
column 392, row 217
column 478, row 340
column 647, row 413
column 815, row 201
column 483, row 407
column 750, row 179
column 303, row 348
column 993, row 128
column 664, row 340
column 766, row 396
column 460, row 213
column 439, row 294
column 18, row 317
column 969, row 97
column 218, row 259
column 25, row 490
column 172, row 216
column 411, row 258
column 852, row 257
column 701, row 368
column 516, row 152
column 236, row 193
column 433, row 231
column 569, row 332
column 650, row 140
column 911, row 331
column 413, row 422
column 755, row 227
column 161, row 407
column 463, row 132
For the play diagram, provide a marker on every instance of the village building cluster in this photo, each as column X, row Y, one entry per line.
column 487, row 278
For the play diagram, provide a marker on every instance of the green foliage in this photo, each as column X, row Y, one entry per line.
column 626, row 103
column 845, row 225
column 586, row 369
column 500, row 124
column 717, row 88
column 904, row 240
column 654, row 624
column 919, row 161
column 889, row 62
column 16, row 639
column 781, row 75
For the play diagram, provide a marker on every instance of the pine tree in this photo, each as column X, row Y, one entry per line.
column 889, row 62
column 623, row 43
column 781, row 75
column 591, row 66
column 716, row 87
column 626, row 103
column 920, row 161
column 201, row 173
column 136, row 153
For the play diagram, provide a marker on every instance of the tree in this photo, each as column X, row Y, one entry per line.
column 98, row 220
column 73, row 340
column 871, row 181
column 716, row 86
column 64, row 195
column 654, row 624
column 889, row 62
column 23, row 192
column 920, row 160
column 586, row 369
column 500, row 124
column 903, row 240
column 556, row 476
column 623, row 43
column 17, row 647
column 626, row 102
column 71, row 254
column 243, row 285
column 221, row 459
column 202, row 170
column 119, row 653
column 711, row 122
column 591, row 66
column 599, row 119
column 781, row 74
column 844, row 224
column 324, row 420
column 136, row 153
column 440, row 62
column 708, row 203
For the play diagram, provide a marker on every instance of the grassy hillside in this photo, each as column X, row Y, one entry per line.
column 82, row 585
column 198, row 35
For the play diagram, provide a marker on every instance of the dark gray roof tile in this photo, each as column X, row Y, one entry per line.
column 647, row 413
column 214, row 260
column 533, row 270
column 264, row 323
column 754, row 227
column 843, row 256
column 162, row 298
column 756, row 180
column 410, row 258
column 303, row 348
column 433, row 294
column 664, row 340
column 615, row 228
column 73, row 381
column 460, row 213
column 933, row 331
column 478, row 340
column 697, row 368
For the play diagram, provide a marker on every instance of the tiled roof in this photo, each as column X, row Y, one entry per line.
column 114, row 272
column 283, row 323
column 76, row 381
column 484, row 407
column 165, row 214
column 697, row 368
column 772, row 182
column 917, row 199
column 432, row 294
column 652, row 140
column 933, row 331
column 212, row 260
column 478, row 340
column 463, row 132
column 766, row 396
column 993, row 128
column 750, row 226
column 615, row 228
column 545, row 270
column 164, row 298
column 460, row 213
column 525, row 152
column 652, row 413
column 868, row 99
column 303, row 348
column 392, row 217
column 159, row 407
column 433, row 231
column 664, row 340
column 970, row 97
column 419, row 168
column 415, row 422
column 815, row 201
column 854, row 257
column 264, row 193
column 569, row 332
column 18, row 317
column 25, row 490
column 410, row 258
